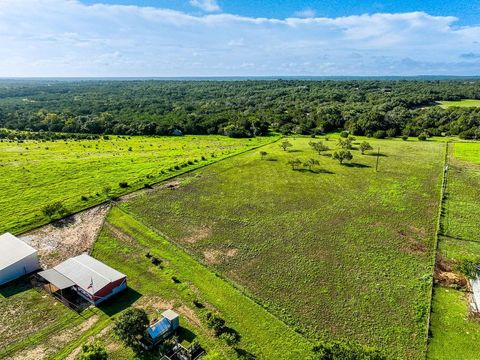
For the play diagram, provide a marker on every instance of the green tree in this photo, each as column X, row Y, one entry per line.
column 319, row 147
column 285, row 144
column 310, row 163
column 342, row 155
column 345, row 144
column 53, row 209
column 294, row 164
column 93, row 351
column 130, row 326
column 365, row 146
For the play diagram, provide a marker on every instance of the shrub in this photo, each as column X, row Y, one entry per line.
column 93, row 351
column 344, row 134
column 469, row 268
column 123, row 184
column 131, row 325
column 84, row 198
column 215, row 322
column 423, row 137
column 391, row 132
column 56, row 208
column 404, row 137
column 380, row 134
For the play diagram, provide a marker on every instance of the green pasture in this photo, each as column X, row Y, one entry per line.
column 460, row 103
column 83, row 173
column 337, row 251
column 454, row 332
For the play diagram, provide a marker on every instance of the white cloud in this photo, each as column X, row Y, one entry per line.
column 69, row 38
column 305, row 13
column 206, row 5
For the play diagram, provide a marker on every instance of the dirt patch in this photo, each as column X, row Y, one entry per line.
column 36, row 353
column 212, row 256
column 69, row 237
column 197, row 234
column 412, row 240
column 190, row 315
column 450, row 279
column 172, row 185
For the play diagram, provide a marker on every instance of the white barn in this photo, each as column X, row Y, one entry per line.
column 16, row 258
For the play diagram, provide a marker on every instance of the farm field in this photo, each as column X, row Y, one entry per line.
column 456, row 333
column 83, row 173
column 340, row 251
column 461, row 103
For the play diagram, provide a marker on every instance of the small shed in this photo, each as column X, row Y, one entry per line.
column 163, row 328
column 16, row 258
column 90, row 278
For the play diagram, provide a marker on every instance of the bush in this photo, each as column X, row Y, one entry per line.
column 422, row 137
column 94, row 351
column 84, row 198
column 469, row 268
column 131, row 325
column 215, row 322
column 123, row 184
column 344, row 134
column 391, row 133
column 56, row 208
column 338, row 350
column 404, row 137
column 380, row 134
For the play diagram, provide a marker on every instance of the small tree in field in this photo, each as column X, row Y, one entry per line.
column 285, row 144
column 342, row 155
column 56, row 208
column 319, row 147
column 345, row 144
column 94, row 351
column 263, row 154
column 130, row 326
column 294, row 164
column 310, row 163
column 365, row 146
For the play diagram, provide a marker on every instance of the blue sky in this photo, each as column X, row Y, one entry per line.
column 238, row 38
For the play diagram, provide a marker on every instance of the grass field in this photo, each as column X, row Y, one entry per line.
column 455, row 334
column 461, row 103
column 338, row 252
column 84, row 173
column 123, row 244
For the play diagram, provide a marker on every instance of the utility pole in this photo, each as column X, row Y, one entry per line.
column 378, row 157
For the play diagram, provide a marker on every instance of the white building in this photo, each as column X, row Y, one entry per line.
column 16, row 258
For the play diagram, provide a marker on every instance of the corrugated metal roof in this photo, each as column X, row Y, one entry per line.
column 88, row 273
column 57, row 279
column 12, row 250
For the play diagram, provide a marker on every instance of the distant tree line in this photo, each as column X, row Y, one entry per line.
column 380, row 108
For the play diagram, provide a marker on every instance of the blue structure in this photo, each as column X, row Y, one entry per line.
column 163, row 328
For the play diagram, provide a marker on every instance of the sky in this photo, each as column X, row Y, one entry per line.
column 167, row 38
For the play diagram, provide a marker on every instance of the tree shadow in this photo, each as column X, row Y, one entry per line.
column 271, row 159
column 375, row 154
column 295, row 150
column 185, row 335
column 119, row 302
column 244, row 354
column 315, row 171
column 65, row 222
column 16, row 287
column 356, row 165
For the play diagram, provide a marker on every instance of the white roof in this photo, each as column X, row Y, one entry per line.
column 170, row 314
column 12, row 250
column 85, row 271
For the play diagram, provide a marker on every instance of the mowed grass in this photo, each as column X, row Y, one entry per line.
column 455, row 334
column 338, row 252
column 83, row 173
column 461, row 103
column 123, row 244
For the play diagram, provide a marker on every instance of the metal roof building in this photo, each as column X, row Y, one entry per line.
column 16, row 258
column 90, row 278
